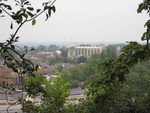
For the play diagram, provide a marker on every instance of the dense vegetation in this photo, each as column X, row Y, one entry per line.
column 133, row 97
column 83, row 73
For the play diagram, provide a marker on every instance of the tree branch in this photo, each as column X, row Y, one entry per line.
column 18, row 28
column 5, row 11
column 40, row 12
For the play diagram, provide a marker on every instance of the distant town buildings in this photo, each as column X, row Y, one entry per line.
column 46, row 54
column 7, row 77
column 86, row 51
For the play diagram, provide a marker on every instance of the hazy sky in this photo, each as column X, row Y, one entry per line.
column 84, row 21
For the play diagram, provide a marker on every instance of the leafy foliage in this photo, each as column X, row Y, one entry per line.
column 82, row 59
column 83, row 106
column 54, row 94
column 145, row 6
column 113, row 75
column 133, row 96
column 83, row 74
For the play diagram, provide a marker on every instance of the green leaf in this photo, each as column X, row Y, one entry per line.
column 0, row 11
column 47, row 16
column 36, row 67
column 147, row 23
column 144, row 36
column 140, row 8
column 9, row 7
column 54, row 9
column 20, row 18
column 15, row 17
column 33, row 22
column 26, row 3
column 11, row 26
column 49, row 12
column 18, row 12
column 32, row 49
column 12, row 46
column 16, row 40
column 25, row 15
column 46, row 7
column 38, row 10
column 30, row 8
column 30, row 14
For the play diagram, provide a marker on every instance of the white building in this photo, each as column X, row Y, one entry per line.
column 84, row 51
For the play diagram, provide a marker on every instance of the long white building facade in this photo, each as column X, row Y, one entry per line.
column 86, row 51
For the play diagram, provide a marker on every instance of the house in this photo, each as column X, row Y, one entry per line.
column 7, row 77
column 86, row 51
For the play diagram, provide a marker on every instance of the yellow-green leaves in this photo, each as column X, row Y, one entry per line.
column 33, row 22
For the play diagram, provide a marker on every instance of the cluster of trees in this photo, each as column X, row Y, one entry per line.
column 83, row 73
column 132, row 97
column 50, row 48
column 117, row 84
column 54, row 94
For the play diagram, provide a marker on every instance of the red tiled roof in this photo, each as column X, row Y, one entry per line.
column 6, row 72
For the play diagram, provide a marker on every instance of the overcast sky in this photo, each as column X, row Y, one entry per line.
column 84, row 21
